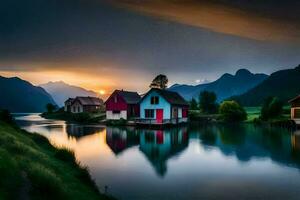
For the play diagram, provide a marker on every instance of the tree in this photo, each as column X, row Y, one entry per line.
column 50, row 107
column 271, row 108
column 160, row 82
column 5, row 116
column 207, row 102
column 231, row 111
column 193, row 104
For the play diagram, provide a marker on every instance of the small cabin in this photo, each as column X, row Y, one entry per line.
column 83, row 104
column 295, row 109
column 163, row 107
column 122, row 105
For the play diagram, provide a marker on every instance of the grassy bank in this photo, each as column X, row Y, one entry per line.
column 253, row 113
column 30, row 168
column 81, row 118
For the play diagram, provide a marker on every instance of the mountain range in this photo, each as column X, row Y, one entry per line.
column 18, row 95
column 226, row 86
column 249, row 89
column 61, row 91
column 283, row 84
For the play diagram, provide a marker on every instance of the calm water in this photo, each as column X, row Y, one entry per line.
column 214, row 162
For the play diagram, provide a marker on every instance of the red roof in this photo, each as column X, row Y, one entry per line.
column 129, row 97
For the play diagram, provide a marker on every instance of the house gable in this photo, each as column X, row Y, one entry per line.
column 162, row 104
column 295, row 102
column 115, row 102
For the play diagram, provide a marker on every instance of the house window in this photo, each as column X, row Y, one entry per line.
column 116, row 112
column 149, row 113
column 115, row 99
column 154, row 100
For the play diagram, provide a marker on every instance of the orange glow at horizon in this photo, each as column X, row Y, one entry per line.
column 90, row 82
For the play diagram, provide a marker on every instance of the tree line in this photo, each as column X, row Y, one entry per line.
column 233, row 111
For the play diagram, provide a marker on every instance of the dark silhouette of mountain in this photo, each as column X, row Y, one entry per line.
column 226, row 86
column 18, row 95
column 283, row 84
column 60, row 91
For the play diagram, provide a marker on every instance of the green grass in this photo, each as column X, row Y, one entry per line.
column 31, row 167
column 254, row 112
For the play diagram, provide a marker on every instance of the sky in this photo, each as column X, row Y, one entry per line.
column 118, row 44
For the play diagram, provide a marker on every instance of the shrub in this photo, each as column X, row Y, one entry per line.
column 231, row 111
column 81, row 117
column 120, row 122
column 272, row 108
column 50, row 107
column 207, row 102
column 5, row 116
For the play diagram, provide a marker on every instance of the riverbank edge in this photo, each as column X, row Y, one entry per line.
column 32, row 168
column 200, row 119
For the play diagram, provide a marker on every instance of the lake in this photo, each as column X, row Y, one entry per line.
column 196, row 162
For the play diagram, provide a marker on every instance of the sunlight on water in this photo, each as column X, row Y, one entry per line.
column 236, row 162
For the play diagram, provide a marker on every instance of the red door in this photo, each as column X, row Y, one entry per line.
column 159, row 115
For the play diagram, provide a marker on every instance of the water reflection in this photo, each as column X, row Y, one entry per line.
column 213, row 162
column 77, row 131
column 119, row 139
column 158, row 146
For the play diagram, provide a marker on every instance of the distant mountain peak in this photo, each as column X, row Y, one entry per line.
column 226, row 86
column 61, row 91
column 56, row 82
column 226, row 75
column 280, row 84
column 243, row 72
column 34, row 98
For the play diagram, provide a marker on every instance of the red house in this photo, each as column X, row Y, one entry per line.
column 122, row 104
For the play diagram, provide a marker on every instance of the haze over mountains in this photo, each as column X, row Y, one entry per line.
column 18, row 95
column 61, row 91
column 226, row 86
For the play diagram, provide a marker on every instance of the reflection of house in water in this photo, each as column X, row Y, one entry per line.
column 295, row 138
column 120, row 139
column 80, row 130
column 159, row 146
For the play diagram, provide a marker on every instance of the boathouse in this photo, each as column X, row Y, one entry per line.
column 162, row 107
column 295, row 109
column 122, row 104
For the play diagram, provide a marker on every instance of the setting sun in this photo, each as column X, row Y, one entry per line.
column 102, row 92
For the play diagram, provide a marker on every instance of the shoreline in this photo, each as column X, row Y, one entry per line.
column 201, row 119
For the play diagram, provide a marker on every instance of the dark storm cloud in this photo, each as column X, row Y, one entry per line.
column 47, row 34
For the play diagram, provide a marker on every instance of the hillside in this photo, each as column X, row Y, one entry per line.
column 31, row 168
column 283, row 84
column 226, row 86
column 18, row 95
column 60, row 91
